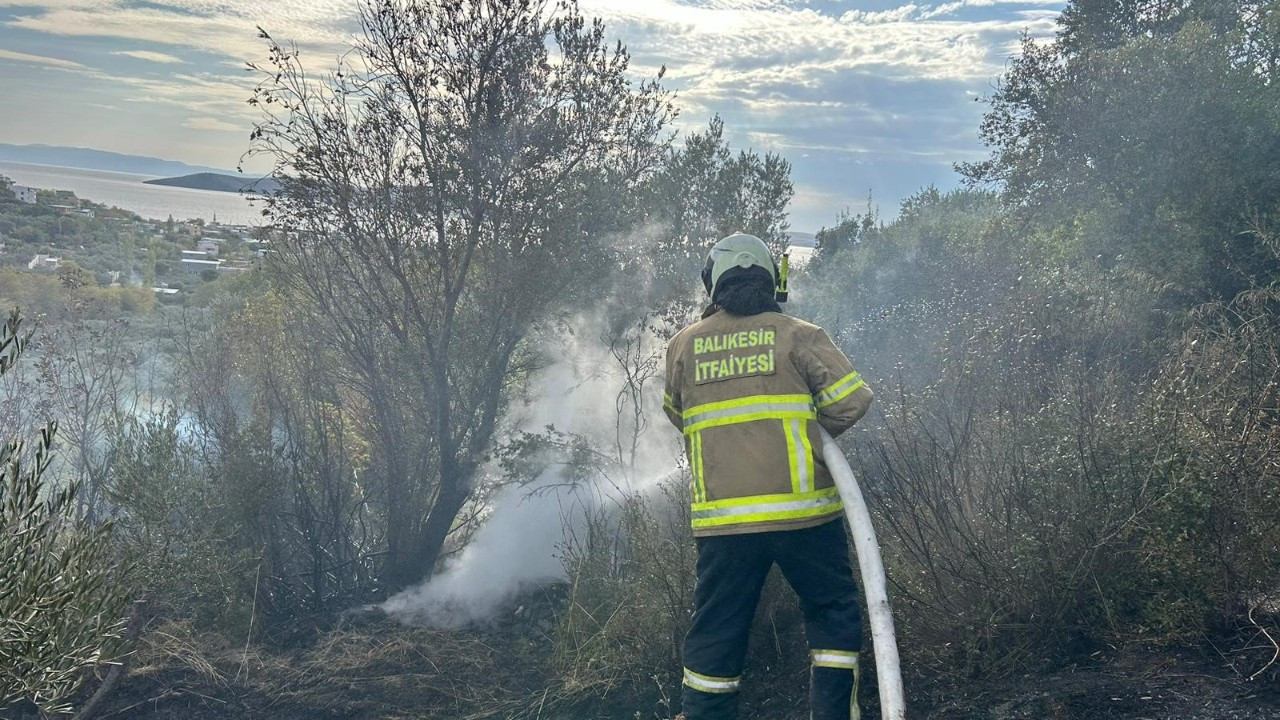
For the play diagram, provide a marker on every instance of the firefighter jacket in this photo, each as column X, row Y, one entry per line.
column 748, row 392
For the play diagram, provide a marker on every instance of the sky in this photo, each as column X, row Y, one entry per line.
column 866, row 98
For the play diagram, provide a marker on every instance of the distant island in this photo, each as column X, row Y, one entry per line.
column 220, row 183
column 89, row 159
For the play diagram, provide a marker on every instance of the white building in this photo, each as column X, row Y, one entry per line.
column 24, row 193
column 44, row 262
column 209, row 247
column 195, row 267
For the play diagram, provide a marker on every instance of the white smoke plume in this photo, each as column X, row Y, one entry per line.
column 516, row 548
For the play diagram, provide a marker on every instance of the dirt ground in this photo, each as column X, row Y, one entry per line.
column 1138, row 683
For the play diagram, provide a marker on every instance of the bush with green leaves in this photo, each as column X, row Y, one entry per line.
column 1060, row 455
column 62, row 591
column 175, row 521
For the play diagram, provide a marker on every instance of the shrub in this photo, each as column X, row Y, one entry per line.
column 61, row 591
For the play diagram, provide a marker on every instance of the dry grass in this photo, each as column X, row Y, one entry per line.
column 383, row 671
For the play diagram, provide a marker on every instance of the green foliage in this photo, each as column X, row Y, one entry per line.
column 61, row 588
column 704, row 191
column 472, row 156
column 175, row 523
column 1055, row 462
column 1212, row 551
column 630, row 572
column 284, row 473
column 1153, row 130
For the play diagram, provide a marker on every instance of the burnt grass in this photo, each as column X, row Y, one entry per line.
column 363, row 666
column 398, row 679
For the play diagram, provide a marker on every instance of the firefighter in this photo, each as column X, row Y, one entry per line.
column 749, row 386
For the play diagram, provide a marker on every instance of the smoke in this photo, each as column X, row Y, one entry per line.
column 514, row 550
column 583, row 392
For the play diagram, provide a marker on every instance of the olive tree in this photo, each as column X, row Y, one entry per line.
column 61, row 594
column 446, row 189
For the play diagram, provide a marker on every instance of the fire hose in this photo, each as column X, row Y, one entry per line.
column 888, row 668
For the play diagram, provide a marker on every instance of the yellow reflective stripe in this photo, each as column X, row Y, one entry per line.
column 669, row 404
column 750, row 500
column 695, row 464
column 838, row 390
column 748, row 409
column 839, row 659
column 794, row 461
column 795, row 413
column 710, row 684
column 766, row 508
column 855, row 710
column 799, row 455
column 744, row 401
column 808, row 452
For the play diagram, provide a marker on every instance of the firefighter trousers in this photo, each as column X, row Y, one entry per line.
column 731, row 572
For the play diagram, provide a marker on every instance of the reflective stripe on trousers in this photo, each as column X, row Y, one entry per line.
column 709, row 684
column 836, row 660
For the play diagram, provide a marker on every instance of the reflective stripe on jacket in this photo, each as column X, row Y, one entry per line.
column 746, row 392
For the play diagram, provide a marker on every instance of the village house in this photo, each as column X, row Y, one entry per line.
column 195, row 267
column 44, row 263
column 24, row 193
column 235, row 266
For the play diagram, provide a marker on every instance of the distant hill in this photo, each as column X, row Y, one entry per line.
column 89, row 159
column 220, row 182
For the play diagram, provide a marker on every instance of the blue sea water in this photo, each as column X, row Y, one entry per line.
column 127, row 191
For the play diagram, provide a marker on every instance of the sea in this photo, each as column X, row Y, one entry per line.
column 127, row 191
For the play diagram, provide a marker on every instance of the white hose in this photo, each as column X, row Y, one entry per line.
column 888, row 669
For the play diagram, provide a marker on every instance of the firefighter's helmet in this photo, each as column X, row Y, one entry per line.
column 741, row 252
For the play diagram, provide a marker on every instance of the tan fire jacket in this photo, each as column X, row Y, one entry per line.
column 746, row 392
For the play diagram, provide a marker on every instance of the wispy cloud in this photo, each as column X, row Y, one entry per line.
column 226, row 27
column 857, row 94
column 208, row 123
column 40, row 60
column 149, row 56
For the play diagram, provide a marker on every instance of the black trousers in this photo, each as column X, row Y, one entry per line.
column 731, row 572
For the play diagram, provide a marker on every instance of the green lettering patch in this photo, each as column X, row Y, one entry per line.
column 739, row 354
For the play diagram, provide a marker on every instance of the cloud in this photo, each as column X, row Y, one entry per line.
column 879, row 96
column 150, row 56
column 691, row 38
column 225, row 27
column 208, row 123
column 40, row 60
